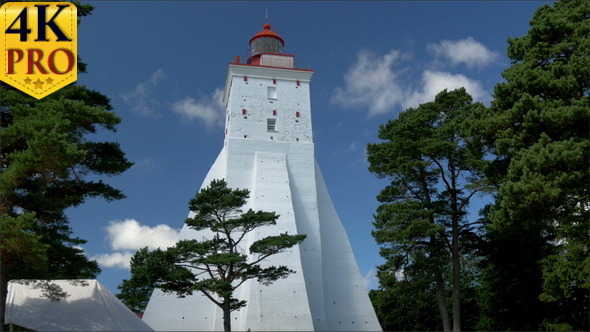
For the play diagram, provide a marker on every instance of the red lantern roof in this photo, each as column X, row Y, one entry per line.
column 267, row 32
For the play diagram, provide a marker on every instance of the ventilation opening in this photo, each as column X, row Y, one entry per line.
column 271, row 124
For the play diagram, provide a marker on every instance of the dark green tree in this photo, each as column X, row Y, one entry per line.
column 405, row 304
column 434, row 168
column 215, row 266
column 538, row 256
column 135, row 292
column 46, row 160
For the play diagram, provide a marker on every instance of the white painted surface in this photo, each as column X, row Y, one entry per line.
column 88, row 306
column 278, row 167
column 276, row 60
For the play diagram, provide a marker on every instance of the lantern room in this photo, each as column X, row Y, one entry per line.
column 266, row 41
column 266, row 49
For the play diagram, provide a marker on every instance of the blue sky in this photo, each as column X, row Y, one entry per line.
column 163, row 64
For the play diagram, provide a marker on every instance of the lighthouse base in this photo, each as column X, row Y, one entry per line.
column 326, row 293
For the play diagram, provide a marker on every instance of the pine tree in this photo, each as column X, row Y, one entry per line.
column 434, row 170
column 537, row 126
column 215, row 266
column 46, row 160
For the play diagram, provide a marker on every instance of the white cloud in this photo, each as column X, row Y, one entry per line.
column 114, row 260
column 208, row 109
column 140, row 98
column 370, row 280
column 434, row 82
column 372, row 82
column 147, row 164
column 156, row 77
column 128, row 236
column 467, row 51
column 131, row 235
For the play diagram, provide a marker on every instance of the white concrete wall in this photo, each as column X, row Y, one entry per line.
column 249, row 91
column 327, row 292
column 347, row 302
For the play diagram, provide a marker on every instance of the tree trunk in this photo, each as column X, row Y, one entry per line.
column 3, row 272
column 442, row 303
column 455, row 249
column 456, row 278
column 226, row 314
column 440, row 286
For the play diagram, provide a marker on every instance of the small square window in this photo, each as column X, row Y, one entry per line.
column 271, row 124
column 272, row 92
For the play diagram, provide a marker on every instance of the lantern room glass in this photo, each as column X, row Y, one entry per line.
column 265, row 44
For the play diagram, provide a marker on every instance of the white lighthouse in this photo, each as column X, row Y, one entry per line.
column 268, row 149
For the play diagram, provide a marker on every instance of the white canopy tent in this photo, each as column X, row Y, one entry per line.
column 89, row 306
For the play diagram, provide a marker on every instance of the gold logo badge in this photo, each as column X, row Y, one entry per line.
column 39, row 46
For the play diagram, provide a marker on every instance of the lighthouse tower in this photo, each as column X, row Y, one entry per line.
column 268, row 149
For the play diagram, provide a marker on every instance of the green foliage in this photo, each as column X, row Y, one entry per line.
column 538, row 128
column 434, row 167
column 135, row 292
column 535, row 266
column 46, row 162
column 510, row 287
column 20, row 246
column 215, row 266
column 403, row 305
column 46, row 159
